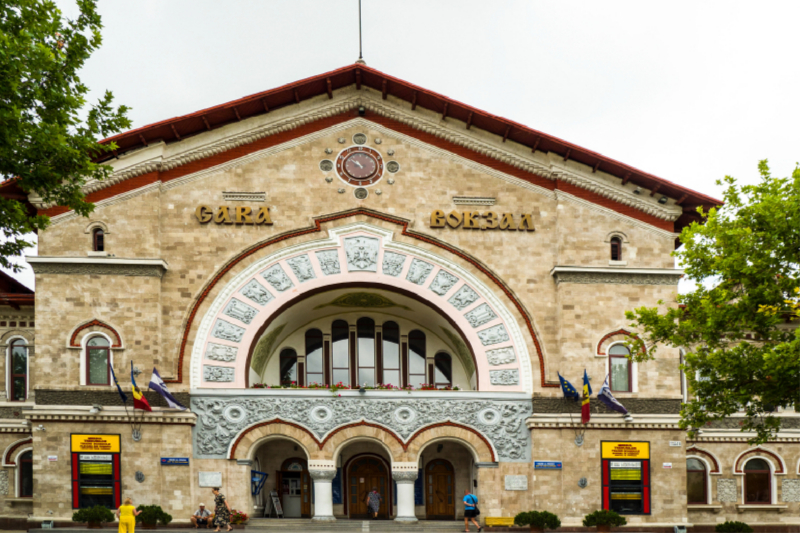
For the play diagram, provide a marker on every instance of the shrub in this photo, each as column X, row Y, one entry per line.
column 98, row 513
column 733, row 527
column 153, row 514
column 537, row 520
column 238, row 517
column 604, row 518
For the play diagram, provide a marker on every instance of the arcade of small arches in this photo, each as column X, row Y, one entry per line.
column 424, row 480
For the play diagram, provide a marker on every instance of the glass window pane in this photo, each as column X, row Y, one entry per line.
column 416, row 380
column 98, row 366
column 618, row 349
column 696, row 487
column 416, row 352
column 365, row 328
column 98, row 341
column 19, row 359
column 391, row 347
column 341, row 376
column 26, row 478
column 756, row 464
column 366, row 377
column 288, row 362
column 314, row 354
column 391, row 377
column 619, row 374
column 695, row 464
column 19, row 389
column 340, row 344
column 444, row 370
column 757, row 487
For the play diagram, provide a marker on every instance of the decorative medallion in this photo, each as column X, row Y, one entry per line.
column 328, row 151
column 362, row 253
column 320, row 414
column 504, row 377
column 240, row 311
column 227, row 331
column 494, row 335
column 404, row 415
column 234, row 413
column 390, row 152
column 378, row 140
column 256, row 292
column 480, row 315
column 139, row 476
column 329, row 262
column 443, row 282
column 489, row 416
column 277, row 278
column 359, row 138
column 393, row 263
column 419, row 271
column 501, row 356
column 359, row 165
column 463, row 298
column 223, row 374
column 392, row 166
column 301, row 266
column 361, row 193
column 219, row 352
column 326, row 165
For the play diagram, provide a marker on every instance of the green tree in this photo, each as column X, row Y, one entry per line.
column 739, row 326
column 48, row 136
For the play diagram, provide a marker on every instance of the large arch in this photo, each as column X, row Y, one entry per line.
column 358, row 253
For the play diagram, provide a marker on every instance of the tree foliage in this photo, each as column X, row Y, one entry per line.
column 738, row 328
column 48, row 136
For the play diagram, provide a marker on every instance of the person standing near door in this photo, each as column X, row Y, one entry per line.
column 374, row 499
column 470, row 510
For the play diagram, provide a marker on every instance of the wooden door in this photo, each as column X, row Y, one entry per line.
column 366, row 473
column 440, row 490
column 305, row 487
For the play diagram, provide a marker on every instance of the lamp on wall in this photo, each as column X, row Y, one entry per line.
column 96, row 408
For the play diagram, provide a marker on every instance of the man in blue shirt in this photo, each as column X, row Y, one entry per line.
column 470, row 510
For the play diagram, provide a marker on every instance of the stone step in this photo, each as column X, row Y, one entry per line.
column 305, row 524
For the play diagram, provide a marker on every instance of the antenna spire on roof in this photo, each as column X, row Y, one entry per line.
column 360, row 59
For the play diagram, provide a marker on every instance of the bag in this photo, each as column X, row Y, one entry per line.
column 477, row 511
column 474, row 502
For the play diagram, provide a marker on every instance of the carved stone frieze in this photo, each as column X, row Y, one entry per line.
column 256, row 292
column 301, row 266
column 276, row 277
column 493, row 335
column 504, row 377
column 219, row 352
column 329, row 262
column 99, row 269
column 480, row 315
column 501, row 422
column 419, row 271
column 362, row 253
column 322, row 475
column 4, row 482
column 240, row 311
column 222, row 374
column 393, row 263
column 617, row 278
column 227, row 331
column 791, row 490
column 501, row 356
column 463, row 298
column 405, row 476
column 726, row 490
column 443, row 282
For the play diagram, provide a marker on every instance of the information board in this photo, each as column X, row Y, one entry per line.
column 174, row 461
column 276, row 505
column 626, row 450
column 547, row 465
column 94, row 443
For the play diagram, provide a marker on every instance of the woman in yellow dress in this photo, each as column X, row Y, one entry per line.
column 127, row 514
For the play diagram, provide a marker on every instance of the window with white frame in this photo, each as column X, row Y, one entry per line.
column 98, row 360
column 757, row 481
column 619, row 368
column 24, row 483
column 696, row 481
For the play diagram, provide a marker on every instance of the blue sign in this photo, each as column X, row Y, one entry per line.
column 547, row 465
column 174, row 461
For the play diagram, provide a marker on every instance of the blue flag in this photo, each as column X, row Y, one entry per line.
column 568, row 390
column 157, row 384
column 121, row 394
column 608, row 399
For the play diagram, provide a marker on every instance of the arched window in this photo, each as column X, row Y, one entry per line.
column 391, row 354
column 757, row 482
column 416, row 358
column 18, row 371
column 97, row 361
column 365, row 332
column 616, row 249
column 288, row 362
column 443, row 370
column 315, row 371
column 696, row 481
column 98, row 240
column 25, row 466
column 619, row 368
column 340, row 342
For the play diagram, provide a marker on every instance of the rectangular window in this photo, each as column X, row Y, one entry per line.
column 696, row 487
column 98, row 366
column 620, row 381
column 626, row 477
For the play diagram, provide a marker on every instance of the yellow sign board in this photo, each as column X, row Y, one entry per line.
column 626, row 450
column 95, row 443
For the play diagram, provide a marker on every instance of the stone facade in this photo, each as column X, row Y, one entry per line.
column 229, row 297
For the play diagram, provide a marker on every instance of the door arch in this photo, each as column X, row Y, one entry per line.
column 362, row 473
column 440, row 487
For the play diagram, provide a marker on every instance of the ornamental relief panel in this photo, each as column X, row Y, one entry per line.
column 255, row 294
column 220, row 420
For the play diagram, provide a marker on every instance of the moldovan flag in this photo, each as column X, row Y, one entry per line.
column 139, row 401
column 587, row 391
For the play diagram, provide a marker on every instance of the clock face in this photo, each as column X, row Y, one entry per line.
column 360, row 165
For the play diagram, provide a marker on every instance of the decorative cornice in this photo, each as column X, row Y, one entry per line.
column 616, row 276
column 404, row 477
column 636, row 406
column 322, row 475
column 244, row 196
column 474, row 200
column 615, row 422
column 348, row 100
column 98, row 266
column 110, row 417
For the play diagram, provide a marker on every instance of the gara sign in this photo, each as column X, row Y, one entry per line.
column 233, row 215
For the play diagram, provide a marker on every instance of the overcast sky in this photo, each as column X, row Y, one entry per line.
column 689, row 91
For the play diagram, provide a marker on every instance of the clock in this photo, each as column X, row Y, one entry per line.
column 360, row 165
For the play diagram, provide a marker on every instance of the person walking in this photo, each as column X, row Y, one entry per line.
column 471, row 510
column 222, row 511
column 374, row 499
column 127, row 514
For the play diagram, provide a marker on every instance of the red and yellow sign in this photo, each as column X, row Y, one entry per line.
column 626, row 450
column 95, row 443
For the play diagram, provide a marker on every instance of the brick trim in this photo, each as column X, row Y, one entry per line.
column 459, row 426
column 779, row 469
column 359, row 424
column 14, row 447
column 73, row 338
column 269, row 423
column 609, row 335
column 697, row 451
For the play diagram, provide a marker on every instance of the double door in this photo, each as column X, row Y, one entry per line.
column 365, row 474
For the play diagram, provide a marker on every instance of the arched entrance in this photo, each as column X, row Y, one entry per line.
column 364, row 473
column 440, row 490
column 286, row 466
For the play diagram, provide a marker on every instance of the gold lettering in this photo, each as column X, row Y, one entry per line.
column 453, row 219
column 527, row 223
column 471, row 220
column 437, row 219
column 508, row 222
column 223, row 216
column 203, row 214
column 262, row 217
column 243, row 215
column 491, row 220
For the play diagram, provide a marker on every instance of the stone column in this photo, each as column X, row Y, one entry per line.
column 323, row 494
column 405, row 494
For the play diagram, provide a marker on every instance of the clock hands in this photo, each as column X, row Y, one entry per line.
column 359, row 164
